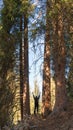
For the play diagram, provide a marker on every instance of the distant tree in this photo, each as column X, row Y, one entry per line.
column 36, row 89
column 24, row 59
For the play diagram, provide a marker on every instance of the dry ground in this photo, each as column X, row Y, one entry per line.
column 56, row 121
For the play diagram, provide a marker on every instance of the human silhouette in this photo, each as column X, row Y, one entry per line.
column 36, row 103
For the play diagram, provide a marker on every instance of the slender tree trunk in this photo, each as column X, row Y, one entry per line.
column 21, row 70
column 46, row 97
column 26, row 102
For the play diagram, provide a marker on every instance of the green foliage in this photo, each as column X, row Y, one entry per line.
column 7, row 48
column 10, row 35
column 26, row 8
column 7, row 90
column 8, row 84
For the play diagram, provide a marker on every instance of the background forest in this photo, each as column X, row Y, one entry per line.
column 36, row 55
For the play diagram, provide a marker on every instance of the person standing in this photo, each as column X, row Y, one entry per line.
column 36, row 103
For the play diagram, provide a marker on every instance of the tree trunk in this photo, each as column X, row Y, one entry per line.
column 21, row 70
column 26, row 103
column 46, row 95
column 60, row 63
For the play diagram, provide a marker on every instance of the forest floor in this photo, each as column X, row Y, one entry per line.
column 56, row 121
column 62, row 120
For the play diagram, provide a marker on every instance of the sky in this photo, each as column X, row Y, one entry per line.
column 0, row 4
column 35, row 69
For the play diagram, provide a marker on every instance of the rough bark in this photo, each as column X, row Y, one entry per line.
column 59, row 62
column 26, row 103
column 21, row 70
column 46, row 95
column 24, row 68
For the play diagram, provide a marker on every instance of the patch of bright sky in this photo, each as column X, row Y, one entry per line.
column 1, row 3
column 36, row 56
column 35, row 66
